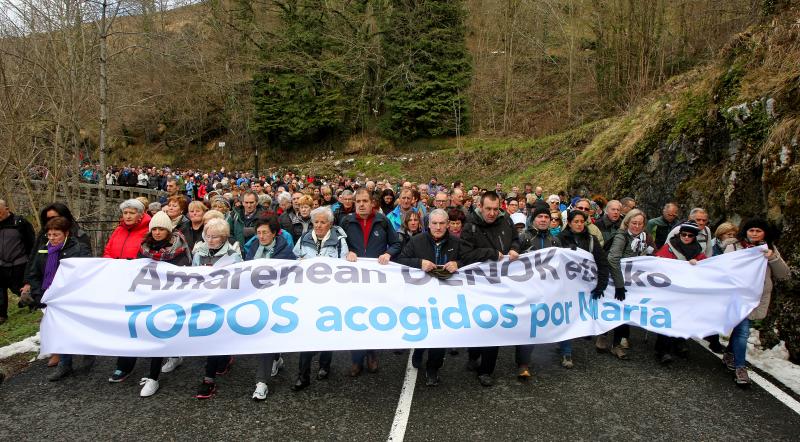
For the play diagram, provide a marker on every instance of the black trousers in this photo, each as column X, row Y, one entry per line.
column 126, row 364
column 488, row 357
column 666, row 344
column 11, row 278
column 325, row 358
column 215, row 364
column 435, row 358
column 623, row 331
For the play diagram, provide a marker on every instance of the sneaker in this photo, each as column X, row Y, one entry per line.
column 227, row 368
column 261, row 391
column 486, row 380
column 61, row 372
column 172, row 364
column 601, row 344
column 566, row 361
column 523, row 374
column 118, row 376
column 149, row 387
column 206, row 390
column 624, row 343
column 300, row 384
column 472, row 365
column 323, row 373
column 742, row 379
column 727, row 359
column 431, row 378
column 619, row 352
column 277, row 364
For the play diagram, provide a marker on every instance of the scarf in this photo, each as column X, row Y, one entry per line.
column 51, row 266
column 689, row 251
column 746, row 244
column 638, row 243
column 555, row 231
column 265, row 251
column 165, row 250
column 319, row 242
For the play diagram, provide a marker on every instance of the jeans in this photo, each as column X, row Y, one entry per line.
column 65, row 360
column 738, row 343
column 126, row 364
column 357, row 356
column 264, row 369
column 565, row 348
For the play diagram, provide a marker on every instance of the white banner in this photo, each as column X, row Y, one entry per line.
column 118, row 307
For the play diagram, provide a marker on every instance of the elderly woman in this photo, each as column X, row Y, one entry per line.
column 754, row 233
column 166, row 244
column 192, row 229
column 153, row 208
column 328, row 240
column 176, row 209
column 214, row 248
column 271, row 245
column 126, row 238
column 42, row 269
column 409, row 227
column 301, row 220
column 630, row 240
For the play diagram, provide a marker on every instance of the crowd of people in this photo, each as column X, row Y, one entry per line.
column 206, row 218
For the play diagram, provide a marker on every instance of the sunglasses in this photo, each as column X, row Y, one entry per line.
column 687, row 235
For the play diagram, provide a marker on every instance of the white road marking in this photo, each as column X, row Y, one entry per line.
column 398, row 431
column 768, row 386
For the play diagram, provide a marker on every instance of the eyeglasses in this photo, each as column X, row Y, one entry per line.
column 584, row 208
column 687, row 235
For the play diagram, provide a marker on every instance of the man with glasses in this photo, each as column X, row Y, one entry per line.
column 488, row 235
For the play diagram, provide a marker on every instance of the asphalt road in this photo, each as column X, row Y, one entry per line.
column 600, row 399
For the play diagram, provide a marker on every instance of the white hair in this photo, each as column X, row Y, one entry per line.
column 322, row 211
column 216, row 226
column 132, row 204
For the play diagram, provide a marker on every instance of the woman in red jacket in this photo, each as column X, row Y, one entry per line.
column 684, row 247
column 127, row 237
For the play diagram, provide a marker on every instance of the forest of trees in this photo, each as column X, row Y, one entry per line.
column 84, row 78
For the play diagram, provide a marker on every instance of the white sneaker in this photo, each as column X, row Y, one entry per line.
column 261, row 391
column 276, row 366
column 149, row 387
column 624, row 343
column 172, row 364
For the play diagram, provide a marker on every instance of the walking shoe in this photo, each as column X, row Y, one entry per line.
column 472, row 365
column 323, row 373
column 742, row 379
column 206, row 389
column 149, row 387
column 601, row 344
column 261, row 391
column 431, row 378
column 300, row 384
column 486, row 380
column 53, row 361
column 277, row 364
column 355, row 370
column 118, row 376
column 566, row 361
column 61, row 372
column 665, row 358
column 523, row 374
column 624, row 343
column 372, row 363
column 619, row 352
column 227, row 368
column 172, row 364
column 716, row 347
column 727, row 359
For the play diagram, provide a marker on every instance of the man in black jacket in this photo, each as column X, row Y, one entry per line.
column 369, row 235
column 488, row 235
column 16, row 243
column 433, row 251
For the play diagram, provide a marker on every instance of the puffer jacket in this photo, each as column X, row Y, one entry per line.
column 282, row 249
column 335, row 246
column 533, row 239
column 125, row 240
column 777, row 270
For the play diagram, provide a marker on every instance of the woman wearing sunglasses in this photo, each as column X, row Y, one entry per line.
column 684, row 247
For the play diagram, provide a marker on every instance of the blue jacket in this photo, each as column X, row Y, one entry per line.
column 333, row 247
column 382, row 237
column 395, row 217
column 252, row 243
column 282, row 249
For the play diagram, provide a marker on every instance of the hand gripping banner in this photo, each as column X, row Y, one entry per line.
column 144, row 308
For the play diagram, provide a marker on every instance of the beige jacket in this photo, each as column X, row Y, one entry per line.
column 777, row 269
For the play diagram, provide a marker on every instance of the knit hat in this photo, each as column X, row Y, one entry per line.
column 540, row 210
column 689, row 226
column 161, row 219
column 518, row 218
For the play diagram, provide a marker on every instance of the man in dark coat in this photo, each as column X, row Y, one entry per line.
column 16, row 242
column 369, row 235
column 488, row 235
column 433, row 251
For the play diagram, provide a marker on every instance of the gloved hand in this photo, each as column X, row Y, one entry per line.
column 597, row 293
column 26, row 299
column 619, row 293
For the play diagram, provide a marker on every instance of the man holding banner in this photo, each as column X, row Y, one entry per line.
column 440, row 254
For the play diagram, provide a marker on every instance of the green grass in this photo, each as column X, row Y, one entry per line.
column 21, row 323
